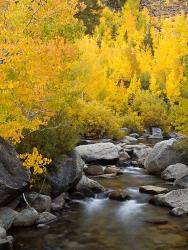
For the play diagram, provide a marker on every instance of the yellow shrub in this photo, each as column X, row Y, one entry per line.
column 97, row 121
column 35, row 161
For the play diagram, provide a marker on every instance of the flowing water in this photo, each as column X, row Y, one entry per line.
column 102, row 224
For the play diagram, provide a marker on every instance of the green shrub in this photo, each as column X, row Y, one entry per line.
column 55, row 140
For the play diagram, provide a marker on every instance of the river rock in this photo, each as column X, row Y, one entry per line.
column 99, row 152
column 174, row 172
column 3, row 233
column 45, row 218
column 58, row 203
column 182, row 182
column 64, row 175
column 112, row 170
column 26, row 217
column 13, row 177
column 6, row 244
column 39, row 202
column 149, row 189
column 161, row 156
column 86, row 183
column 135, row 135
column 139, row 151
column 94, row 170
column 119, row 195
column 176, row 199
column 156, row 133
column 7, row 216
column 130, row 139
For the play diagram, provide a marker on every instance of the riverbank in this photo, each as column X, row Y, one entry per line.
column 111, row 180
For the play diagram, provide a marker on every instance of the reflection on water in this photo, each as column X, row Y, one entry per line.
column 103, row 224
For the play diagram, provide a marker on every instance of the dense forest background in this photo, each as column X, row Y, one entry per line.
column 87, row 68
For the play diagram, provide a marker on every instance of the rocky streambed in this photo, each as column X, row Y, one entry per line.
column 107, row 195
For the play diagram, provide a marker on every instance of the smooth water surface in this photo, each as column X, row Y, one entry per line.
column 102, row 224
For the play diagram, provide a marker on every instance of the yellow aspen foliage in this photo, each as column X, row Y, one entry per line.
column 35, row 162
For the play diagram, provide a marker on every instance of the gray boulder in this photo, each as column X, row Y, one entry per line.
column 45, row 218
column 39, row 202
column 13, row 177
column 26, row 217
column 86, row 183
column 163, row 155
column 176, row 199
column 182, row 182
column 7, row 216
column 64, row 175
column 99, row 152
column 174, row 172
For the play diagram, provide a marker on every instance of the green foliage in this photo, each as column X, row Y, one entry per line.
column 90, row 15
column 182, row 147
column 55, row 140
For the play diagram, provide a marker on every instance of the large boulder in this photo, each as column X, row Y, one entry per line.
column 163, row 155
column 13, row 177
column 64, row 175
column 40, row 202
column 174, row 172
column 99, row 152
column 176, row 199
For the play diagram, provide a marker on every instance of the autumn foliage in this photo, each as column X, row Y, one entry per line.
column 132, row 71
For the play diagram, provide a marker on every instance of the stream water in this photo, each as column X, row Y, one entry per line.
column 103, row 224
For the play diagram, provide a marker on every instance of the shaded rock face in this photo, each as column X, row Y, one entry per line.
column 103, row 153
column 161, row 156
column 64, row 175
column 182, row 182
column 13, row 177
column 174, row 172
column 176, row 199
